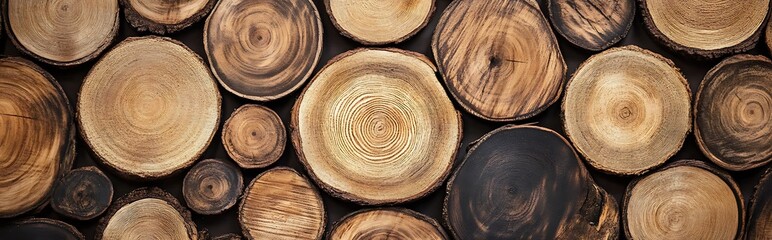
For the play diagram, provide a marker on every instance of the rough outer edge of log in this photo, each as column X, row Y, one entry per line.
column 407, row 211
column 143, row 24
column 298, row 143
column 683, row 81
column 230, row 149
column 96, row 170
column 228, row 236
column 690, row 163
column 142, row 193
column 239, row 185
column 371, row 43
column 63, row 225
column 764, row 177
column 609, row 43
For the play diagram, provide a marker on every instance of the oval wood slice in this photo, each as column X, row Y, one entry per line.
column 40, row 228
column 212, row 186
column 627, row 110
column 61, row 33
column 760, row 214
column 499, row 58
column 36, row 136
column 147, row 213
column 263, row 50
column 149, row 107
column 281, row 204
column 165, row 16
column 83, row 194
column 254, row 136
column 705, row 29
column 684, row 199
column 387, row 223
column 377, row 22
column 732, row 112
column 526, row 182
column 375, row 127
column 592, row 24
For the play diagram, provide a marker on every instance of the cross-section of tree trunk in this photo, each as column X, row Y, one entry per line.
column 212, row 186
column 769, row 37
column 147, row 213
column 254, row 136
column 376, row 22
column 387, row 223
column 165, row 16
column 627, row 110
column 592, row 24
column 83, row 194
column 40, row 228
column 760, row 214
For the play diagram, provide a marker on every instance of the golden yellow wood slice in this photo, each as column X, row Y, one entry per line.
column 254, row 136
column 165, row 16
column 147, row 213
column 376, row 22
column 387, row 223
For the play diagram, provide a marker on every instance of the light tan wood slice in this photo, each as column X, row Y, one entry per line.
column 165, row 16
column 377, row 22
column 147, row 213
column 254, row 136
column 387, row 223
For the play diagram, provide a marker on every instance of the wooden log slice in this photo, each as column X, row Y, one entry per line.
column 165, row 16
column 147, row 213
column 499, row 58
column 281, row 204
column 61, row 32
column 378, row 22
column 254, row 136
column 769, row 37
column 592, row 24
column 706, row 29
column 733, row 113
column 375, row 126
column 212, row 186
column 627, row 110
column 229, row 236
column 149, row 107
column 387, row 223
column 36, row 136
column 526, row 182
column 684, row 199
column 263, row 50
column 760, row 214
column 40, row 228
column 83, row 194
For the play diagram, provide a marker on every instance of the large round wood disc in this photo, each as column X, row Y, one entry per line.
column 254, row 136
column 61, row 32
column 212, row 186
column 164, row 16
column 592, row 24
column 147, row 213
column 375, row 126
column 36, row 135
column 376, row 22
column 707, row 29
column 82, row 194
column 263, row 50
column 40, row 228
column 685, row 199
column 387, row 223
column 627, row 110
column 760, row 213
column 499, row 58
column 149, row 107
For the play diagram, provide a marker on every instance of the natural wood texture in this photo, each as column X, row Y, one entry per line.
column 165, row 16
column 377, row 22
column 769, row 37
column 375, row 126
column 147, row 213
column 686, row 199
column 61, row 32
column 83, row 194
column 760, row 213
column 627, row 110
column 263, row 50
column 254, row 136
column 706, row 29
column 387, row 223
column 282, row 204
column 212, row 186
column 733, row 113
column 229, row 236
column 149, row 107
column 592, row 24
column 40, row 228
column 499, row 58
column 526, row 182
column 37, row 144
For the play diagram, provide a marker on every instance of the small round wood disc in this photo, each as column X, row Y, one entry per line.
column 212, row 186
column 281, row 204
column 387, row 223
column 499, row 58
column 40, row 228
column 263, row 50
column 592, row 24
column 36, row 135
column 149, row 107
column 686, row 199
column 375, row 126
column 627, row 110
column 83, row 194
column 760, row 214
column 61, row 32
column 164, row 16
column 254, row 136
column 733, row 113
column 377, row 22
column 147, row 213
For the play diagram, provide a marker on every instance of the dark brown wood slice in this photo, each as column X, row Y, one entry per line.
column 147, row 213
column 592, row 24
column 83, row 194
column 377, row 22
column 40, row 228
column 387, row 223
column 769, row 36
column 165, row 16
column 212, row 186
column 732, row 113
column 254, row 136
column 760, row 213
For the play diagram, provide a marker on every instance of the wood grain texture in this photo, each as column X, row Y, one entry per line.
column 760, row 213
column 627, row 110
column 263, row 50
column 212, row 186
column 592, row 24
column 387, row 223
column 769, row 37
column 61, row 32
column 378, row 22
column 165, row 16
column 499, row 58
column 39, row 228
column 281, row 204
column 147, row 213
column 149, row 107
column 254, row 136
column 229, row 236
column 83, row 194
column 375, row 126
column 733, row 113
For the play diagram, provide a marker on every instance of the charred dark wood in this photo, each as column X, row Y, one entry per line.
column 212, row 186
column 83, row 194
column 40, row 228
column 592, row 24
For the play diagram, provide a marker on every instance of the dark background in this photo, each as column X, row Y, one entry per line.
column 334, row 43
